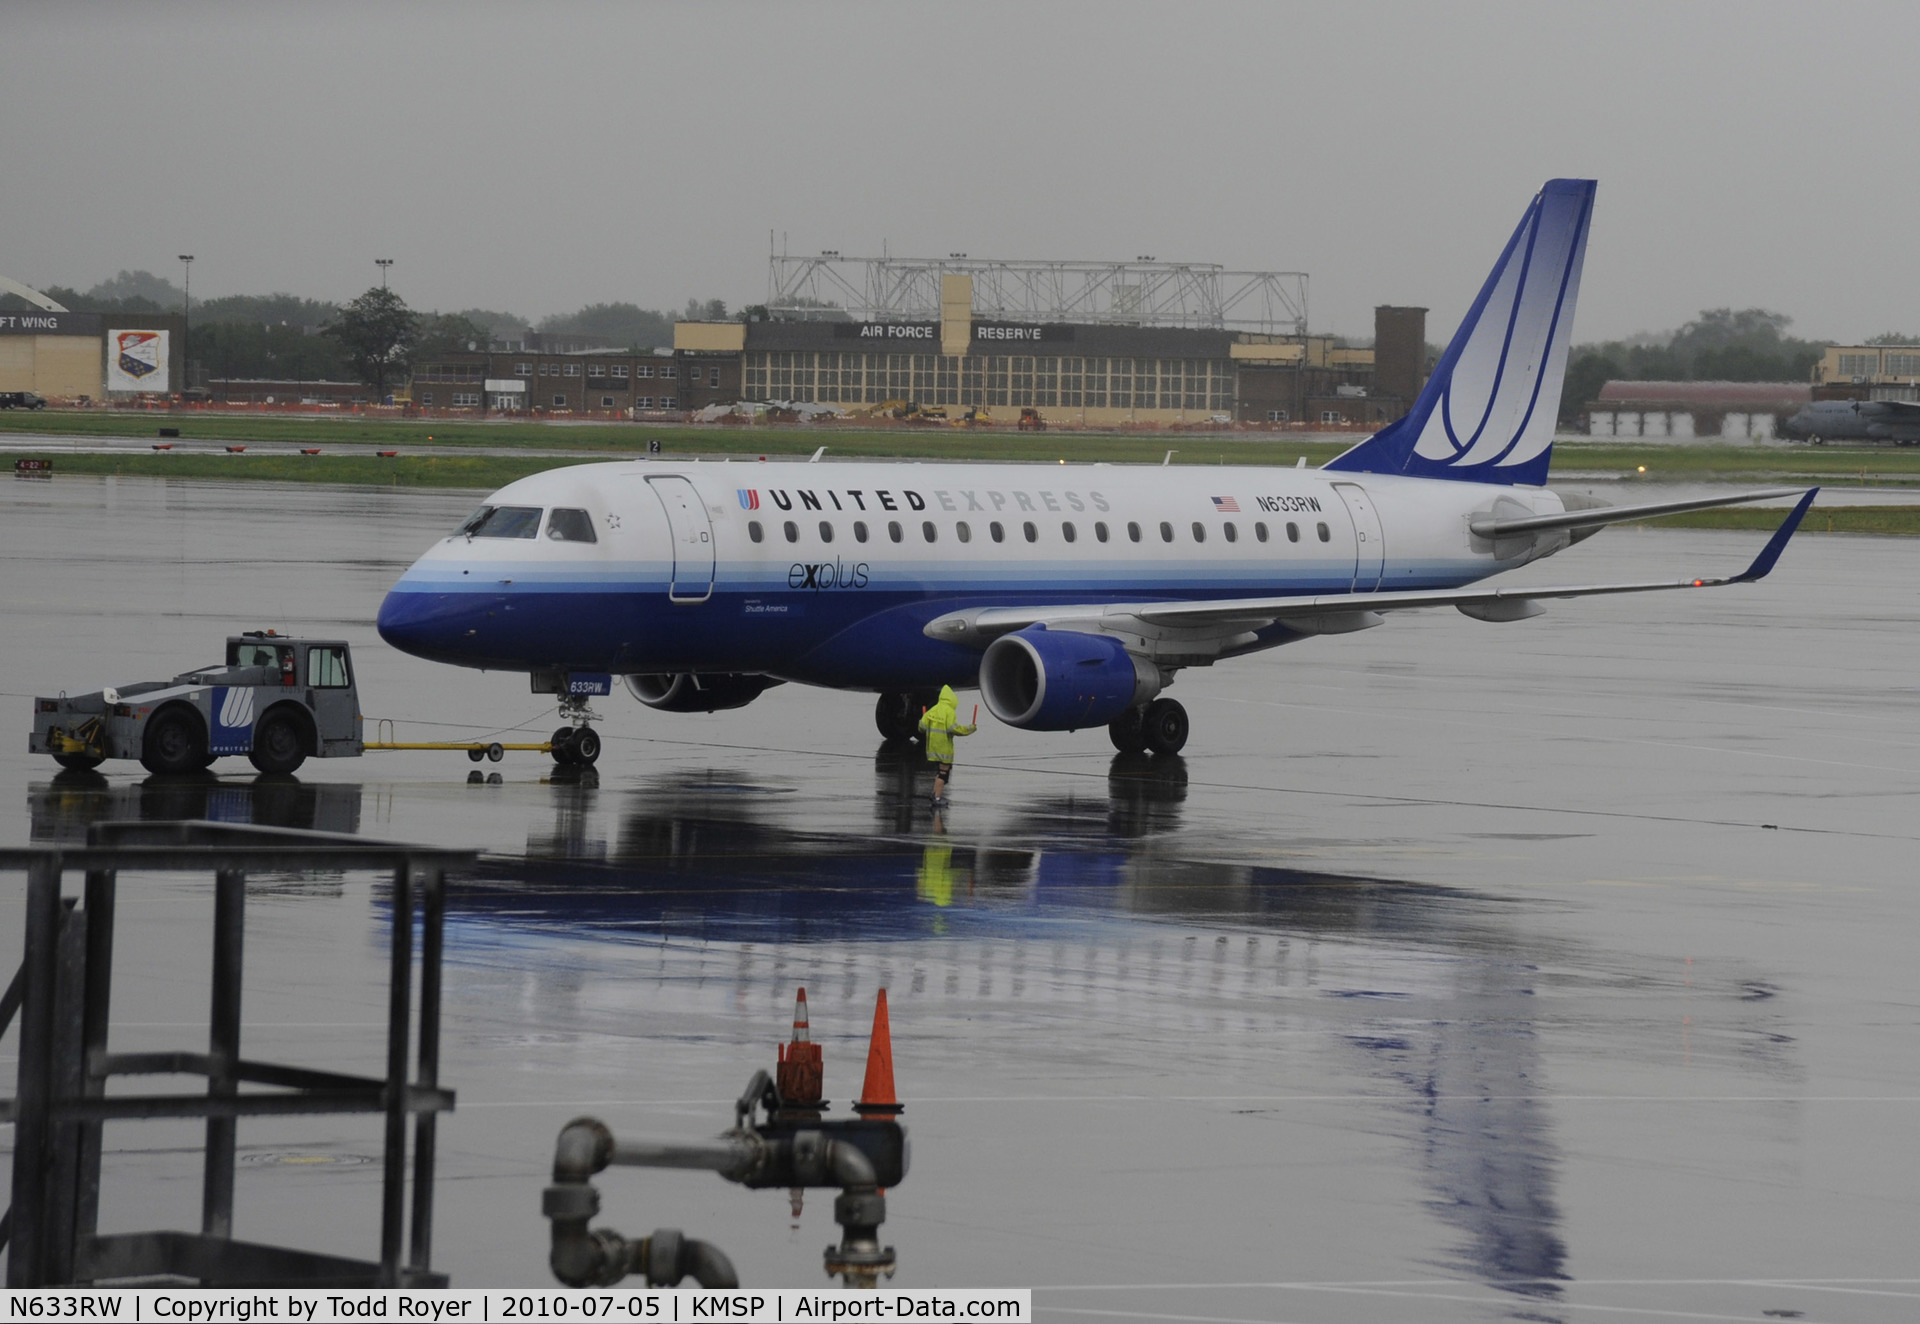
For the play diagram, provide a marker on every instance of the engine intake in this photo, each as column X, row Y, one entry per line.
column 1061, row 680
column 698, row 692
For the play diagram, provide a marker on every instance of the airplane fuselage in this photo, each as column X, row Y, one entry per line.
column 1856, row 420
column 827, row 574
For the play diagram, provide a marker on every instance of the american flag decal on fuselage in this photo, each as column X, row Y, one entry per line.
column 1226, row 505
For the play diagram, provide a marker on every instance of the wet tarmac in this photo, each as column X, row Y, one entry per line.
column 1547, row 971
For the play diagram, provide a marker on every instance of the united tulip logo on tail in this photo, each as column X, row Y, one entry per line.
column 749, row 498
column 139, row 352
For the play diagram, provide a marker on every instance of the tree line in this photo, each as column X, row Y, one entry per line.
column 287, row 337
column 1720, row 345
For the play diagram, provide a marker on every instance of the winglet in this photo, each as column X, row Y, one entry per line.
column 1763, row 564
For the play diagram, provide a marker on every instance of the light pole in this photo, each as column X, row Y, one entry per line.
column 186, row 320
column 383, row 263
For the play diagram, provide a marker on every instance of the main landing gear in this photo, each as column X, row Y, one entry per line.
column 1160, row 727
column 576, row 746
column 898, row 715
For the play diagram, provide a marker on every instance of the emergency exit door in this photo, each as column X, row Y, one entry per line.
column 1370, row 544
column 692, row 579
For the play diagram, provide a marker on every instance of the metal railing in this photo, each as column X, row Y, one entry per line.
column 62, row 994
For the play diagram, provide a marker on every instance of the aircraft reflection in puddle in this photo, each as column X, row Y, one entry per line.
column 1430, row 992
column 1418, row 987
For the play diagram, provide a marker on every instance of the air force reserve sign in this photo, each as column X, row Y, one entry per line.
column 137, row 360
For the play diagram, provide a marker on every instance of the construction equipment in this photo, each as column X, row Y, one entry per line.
column 277, row 699
column 1030, row 421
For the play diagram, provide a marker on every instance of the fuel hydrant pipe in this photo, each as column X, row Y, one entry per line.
column 732, row 1156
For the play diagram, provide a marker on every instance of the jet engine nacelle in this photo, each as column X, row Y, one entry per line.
column 690, row 692
column 1062, row 680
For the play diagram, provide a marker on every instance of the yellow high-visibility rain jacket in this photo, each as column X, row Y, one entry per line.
column 941, row 723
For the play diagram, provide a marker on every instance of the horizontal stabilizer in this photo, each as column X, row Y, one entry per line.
column 1486, row 526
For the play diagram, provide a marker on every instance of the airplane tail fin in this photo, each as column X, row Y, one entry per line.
column 1487, row 413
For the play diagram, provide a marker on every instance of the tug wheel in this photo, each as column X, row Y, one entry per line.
column 279, row 745
column 175, row 741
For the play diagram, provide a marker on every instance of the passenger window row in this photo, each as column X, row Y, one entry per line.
column 1069, row 532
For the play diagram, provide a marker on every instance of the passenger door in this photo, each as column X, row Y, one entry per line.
column 1370, row 544
column 692, row 534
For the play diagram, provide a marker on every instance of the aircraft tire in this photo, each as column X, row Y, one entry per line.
column 897, row 716
column 279, row 745
column 562, row 742
column 586, row 746
column 175, row 741
column 1128, row 731
column 1165, row 726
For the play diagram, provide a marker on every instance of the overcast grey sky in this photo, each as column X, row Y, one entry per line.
column 535, row 157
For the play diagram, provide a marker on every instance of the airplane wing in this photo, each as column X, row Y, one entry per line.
column 1231, row 619
column 1902, row 409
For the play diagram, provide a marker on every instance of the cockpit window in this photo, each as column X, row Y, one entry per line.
column 570, row 526
column 502, row 522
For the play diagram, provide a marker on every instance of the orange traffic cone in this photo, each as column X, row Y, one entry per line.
column 876, row 1095
column 799, row 1075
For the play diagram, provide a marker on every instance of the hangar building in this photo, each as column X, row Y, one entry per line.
column 1084, row 344
column 65, row 356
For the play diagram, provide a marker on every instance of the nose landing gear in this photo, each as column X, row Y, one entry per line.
column 576, row 746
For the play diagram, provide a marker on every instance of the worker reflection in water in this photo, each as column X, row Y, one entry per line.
column 933, row 881
column 942, row 723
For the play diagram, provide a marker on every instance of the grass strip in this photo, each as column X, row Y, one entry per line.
column 1863, row 464
column 897, row 442
column 485, row 472
column 1901, row 521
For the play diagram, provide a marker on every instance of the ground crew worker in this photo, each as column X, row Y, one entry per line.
column 942, row 723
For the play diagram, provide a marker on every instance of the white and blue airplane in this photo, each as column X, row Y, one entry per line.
column 1071, row 595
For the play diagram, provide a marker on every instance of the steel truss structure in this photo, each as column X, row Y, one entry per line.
column 1144, row 292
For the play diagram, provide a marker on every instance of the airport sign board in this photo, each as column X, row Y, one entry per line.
column 37, row 323
column 1003, row 333
column 137, row 360
column 927, row 333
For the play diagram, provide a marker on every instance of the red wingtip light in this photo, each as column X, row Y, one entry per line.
column 1699, row 583
column 876, row 1095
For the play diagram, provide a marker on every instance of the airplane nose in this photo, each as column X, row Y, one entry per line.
column 440, row 627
